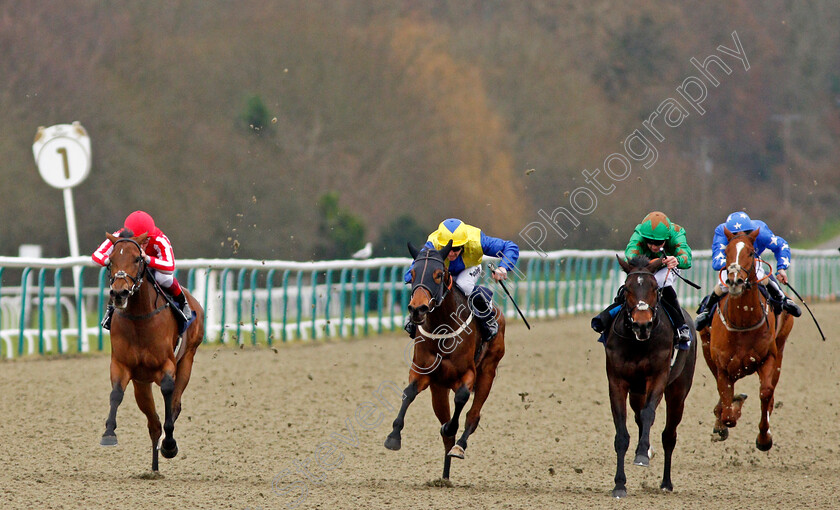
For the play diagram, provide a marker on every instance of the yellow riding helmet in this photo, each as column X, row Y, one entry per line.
column 453, row 230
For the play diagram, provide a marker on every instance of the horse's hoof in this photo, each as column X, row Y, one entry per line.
column 456, row 452
column 720, row 434
column 169, row 451
column 619, row 493
column 764, row 447
column 393, row 443
column 739, row 398
column 667, row 487
column 108, row 441
column 444, row 433
column 642, row 460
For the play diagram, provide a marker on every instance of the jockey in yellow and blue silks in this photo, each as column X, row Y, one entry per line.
column 738, row 223
column 469, row 245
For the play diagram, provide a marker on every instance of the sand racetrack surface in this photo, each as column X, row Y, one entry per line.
column 302, row 427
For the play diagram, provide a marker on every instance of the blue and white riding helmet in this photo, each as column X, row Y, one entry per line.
column 739, row 222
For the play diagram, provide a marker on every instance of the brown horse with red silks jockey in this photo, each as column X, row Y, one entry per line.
column 148, row 345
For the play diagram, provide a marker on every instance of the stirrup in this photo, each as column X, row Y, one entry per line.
column 684, row 338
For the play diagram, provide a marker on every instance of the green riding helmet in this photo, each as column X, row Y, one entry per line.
column 655, row 226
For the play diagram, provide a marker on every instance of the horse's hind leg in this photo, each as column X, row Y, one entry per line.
column 182, row 378
column 482, row 385
column 146, row 403
column 440, row 404
column 119, row 380
column 462, row 396
column 168, row 448
column 675, row 395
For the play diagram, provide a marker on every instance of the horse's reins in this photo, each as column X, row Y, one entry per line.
column 136, row 281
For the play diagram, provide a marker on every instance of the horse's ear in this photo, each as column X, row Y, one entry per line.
column 655, row 265
column 412, row 250
column 142, row 238
column 444, row 252
column 623, row 263
column 729, row 235
column 754, row 234
column 111, row 237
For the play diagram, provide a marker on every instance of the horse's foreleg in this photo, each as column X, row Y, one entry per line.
column 440, row 405
column 618, row 405
column 168, row 448
column 119, row 380
column 768, row 374
column 646, row 418
column 146, row 403
column 394, row 440
column 730, row 411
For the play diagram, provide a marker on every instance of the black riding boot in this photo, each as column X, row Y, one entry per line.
column 672, row 305
column 704, row 312
column 482, row 307
column 601, row 322
column 106, row 320
column 183, row 306
column 777, row 295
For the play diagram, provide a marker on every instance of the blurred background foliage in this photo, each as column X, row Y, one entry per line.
column 256, row 129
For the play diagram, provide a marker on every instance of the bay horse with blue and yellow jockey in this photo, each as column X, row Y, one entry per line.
column 457, row 333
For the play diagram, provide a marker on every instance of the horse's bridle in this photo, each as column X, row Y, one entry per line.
column 136, row 280
column 642, row 305
column 735, row 267
column 442, row 288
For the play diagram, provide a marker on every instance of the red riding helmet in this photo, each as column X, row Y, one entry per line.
column 139, row 222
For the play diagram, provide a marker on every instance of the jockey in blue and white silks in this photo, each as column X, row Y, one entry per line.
column 740, row 222
column 469, row 245
column 766, row 240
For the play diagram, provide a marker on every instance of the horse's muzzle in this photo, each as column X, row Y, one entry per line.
column 120, row 298
column 418, row 314
column 642, row 330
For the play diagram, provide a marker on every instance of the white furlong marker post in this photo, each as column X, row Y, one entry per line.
column 62, row 153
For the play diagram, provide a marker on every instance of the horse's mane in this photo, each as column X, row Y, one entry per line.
column 126, row 233
column 639, row 262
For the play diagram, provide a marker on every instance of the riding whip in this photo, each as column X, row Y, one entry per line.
column 492, row 268
column 809, row 310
